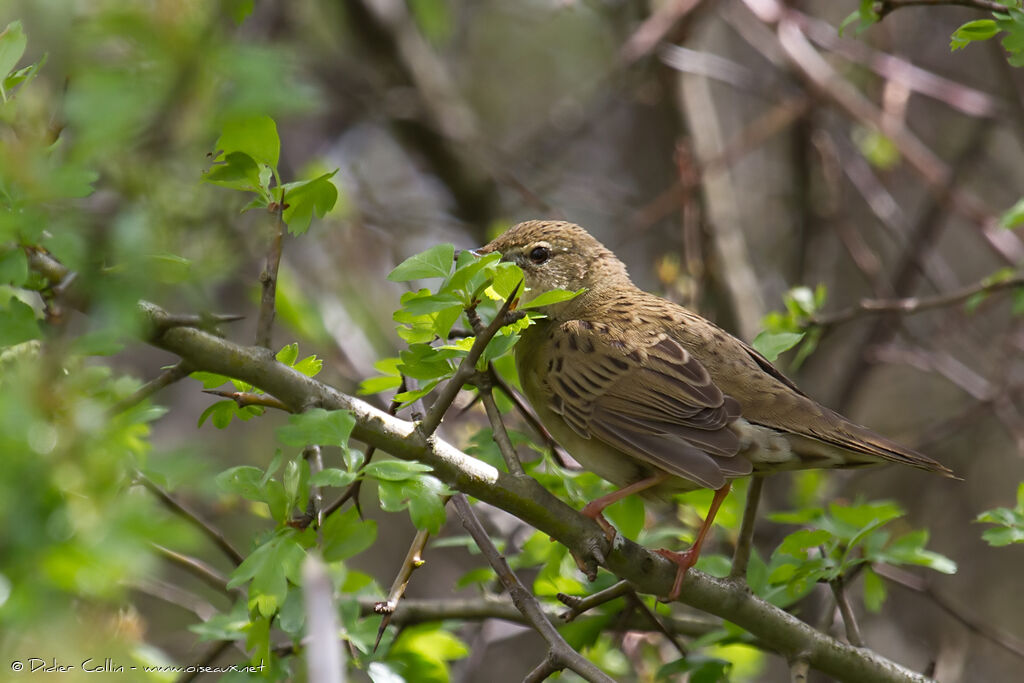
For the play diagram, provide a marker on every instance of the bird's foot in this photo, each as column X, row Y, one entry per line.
column 684, row 561
column 592, row 557
column 594, row 512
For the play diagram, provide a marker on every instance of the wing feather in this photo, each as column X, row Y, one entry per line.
column 653, row 401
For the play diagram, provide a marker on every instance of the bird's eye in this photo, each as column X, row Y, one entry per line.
column 540, row 254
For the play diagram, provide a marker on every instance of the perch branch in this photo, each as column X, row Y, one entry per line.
column 528, row 500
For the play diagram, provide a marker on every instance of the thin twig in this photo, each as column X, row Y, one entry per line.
column 560, row 653
column 664, row 627
column 179, row 508
column 413, row 561
column 913, row 304
column 268, row 278
column 741, row 557
column 557, row 452
column 798, row 670
column 853, row 635
column 498, row 431
column 578, row 605
column 932, row 169
column 466, row 369
column 249, row 398
column 169, row 376
column 197, row 568
column 173, row 594
column 412, row 611
column 654, row 29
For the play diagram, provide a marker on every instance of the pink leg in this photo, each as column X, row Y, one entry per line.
column 688, row 558
column 594, row 508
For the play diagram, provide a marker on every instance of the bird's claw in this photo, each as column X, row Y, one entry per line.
column 684, row 561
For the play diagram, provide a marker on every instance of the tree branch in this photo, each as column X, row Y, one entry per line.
column 525, row 498
column 268, row 280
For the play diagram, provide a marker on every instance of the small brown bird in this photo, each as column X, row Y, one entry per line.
column 656, row 399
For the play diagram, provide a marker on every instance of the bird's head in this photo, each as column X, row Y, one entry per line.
column 557, row 255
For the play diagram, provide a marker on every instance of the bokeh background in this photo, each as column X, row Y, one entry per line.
column 725, row 157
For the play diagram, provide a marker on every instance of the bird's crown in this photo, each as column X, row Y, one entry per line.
column 558, row 255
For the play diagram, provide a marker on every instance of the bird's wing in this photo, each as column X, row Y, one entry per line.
column 653, row 400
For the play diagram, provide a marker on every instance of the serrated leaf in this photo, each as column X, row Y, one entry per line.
column 345, row 535
column 396, row 470
column 317, row 427
column 237, row 171
column 288, row 354
column 307, row 198
column 252, row 135
column 310, row 366
column 434, row 262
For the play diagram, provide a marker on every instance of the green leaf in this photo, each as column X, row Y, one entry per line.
column 245, row 481
column 237, row 171
column 345, row 535
column 771, row 344
column 980, row 29
column 222, row 412
column 1014, row 216
column 13, row 267
column 12, row 46
column 434, row 262
column 229, row 626
column 798, row 542
column 426, row 503
column 288, row 354
column 553, row 296
column 292, row 616
column 22, row 76
column 252, row 135
column 332, row 476
column 909, row 549
column 308, row 197
column 1011, row 521
column 317, row 426
column 396, row 470
column 296, row 482
column 874, row 590
column 210, row 380
column 310, row 366
column 375, row 385
column 18, row 323
column 627, row 515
